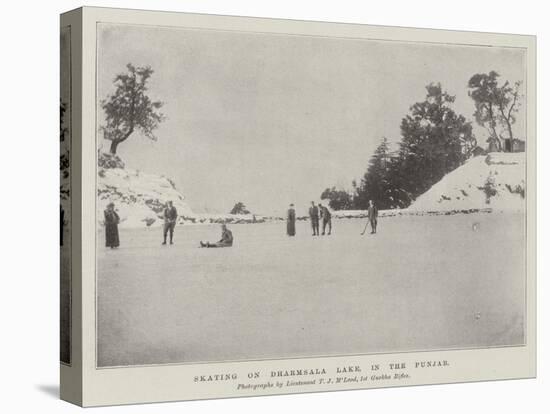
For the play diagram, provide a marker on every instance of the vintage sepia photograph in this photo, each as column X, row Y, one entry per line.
column 65, row 195
column 275, row 196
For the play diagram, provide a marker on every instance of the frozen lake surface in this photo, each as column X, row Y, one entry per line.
column 421, row 283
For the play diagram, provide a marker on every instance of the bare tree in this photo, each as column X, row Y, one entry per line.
column 495, row 105
column 508, row 106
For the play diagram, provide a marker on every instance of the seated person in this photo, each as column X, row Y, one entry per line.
column 225, row 241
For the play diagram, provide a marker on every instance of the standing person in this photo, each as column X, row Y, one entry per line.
column 225, row 241
column 170, row 216
column 373, row 216
column 291, row 221
column 314, row 217
column 111, row 226
column 326, row 217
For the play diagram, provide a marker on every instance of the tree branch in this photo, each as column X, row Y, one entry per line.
column 125, row 136
column 513, row 104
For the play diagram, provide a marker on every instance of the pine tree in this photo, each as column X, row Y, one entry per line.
column 376, row 184
column 239, row 208
column 337, row 199
column 435, row 141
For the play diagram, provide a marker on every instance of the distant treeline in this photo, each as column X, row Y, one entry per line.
column 435, row 140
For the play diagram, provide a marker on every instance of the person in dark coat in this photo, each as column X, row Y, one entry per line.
column 372, row 213
column 314, row 217
column 225, row 241
column 111, row 226
column 291, row 221
column 170, row 217
column 326, row 217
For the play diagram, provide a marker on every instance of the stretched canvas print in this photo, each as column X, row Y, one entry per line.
column 270, row 206
column 65, row 196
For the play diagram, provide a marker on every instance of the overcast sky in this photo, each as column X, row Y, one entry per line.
column 273, row 119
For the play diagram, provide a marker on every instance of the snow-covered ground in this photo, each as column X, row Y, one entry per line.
column 495, row 181
column 139, row 197
column 422, row 282
column 353, row 214
column 205, row 218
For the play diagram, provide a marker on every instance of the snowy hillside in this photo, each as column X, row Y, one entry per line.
column 495, row 181
column 139, row 197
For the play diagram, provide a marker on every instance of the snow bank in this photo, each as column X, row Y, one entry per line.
column 227, row 218
column 349, row 213
column 139, row 197
column 492, row 182
column 495, row 181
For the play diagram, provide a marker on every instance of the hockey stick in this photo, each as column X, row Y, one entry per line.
column 365, row 229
